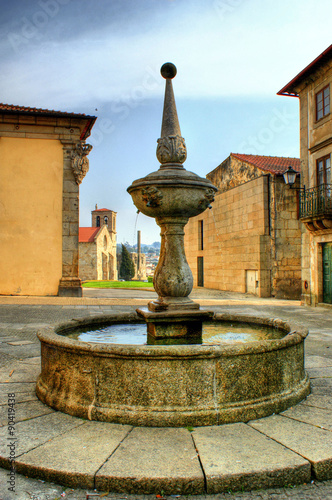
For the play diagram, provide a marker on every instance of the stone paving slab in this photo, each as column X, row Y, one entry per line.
column 34, row 489
column 312, row 443
column 236, row 456
column 321, row 386
column 21, row 351
column 15, row 388
column 319, row 401
column 20, row 372
column 20, row 322
column 152, row 460
column 21, row 397
column 325, row 372
column 73, row 458
column 25, row 411
column 317, row 362
column 20, row 342
column 318, row 417
column 34, row 432
column 32, row 361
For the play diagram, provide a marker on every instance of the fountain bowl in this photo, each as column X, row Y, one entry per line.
column 172, row 385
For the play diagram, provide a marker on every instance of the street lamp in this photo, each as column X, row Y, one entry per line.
column 290, row 176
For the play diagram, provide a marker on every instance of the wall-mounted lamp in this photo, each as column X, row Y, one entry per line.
column 290, row 176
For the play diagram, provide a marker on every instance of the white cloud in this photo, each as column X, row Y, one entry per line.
column 251, row 48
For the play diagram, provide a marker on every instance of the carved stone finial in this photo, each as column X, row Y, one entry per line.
column 79, row 161
column 171, row 149
column 171, row 145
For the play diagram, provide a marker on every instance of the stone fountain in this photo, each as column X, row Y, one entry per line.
column 172, row 195
column 173, row 380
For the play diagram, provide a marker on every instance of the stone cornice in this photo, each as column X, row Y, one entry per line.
column 320, row 145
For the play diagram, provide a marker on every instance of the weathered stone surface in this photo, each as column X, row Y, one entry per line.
column 315, row 416
column 322, row 372
column 19, row 372
column 20, row 397
column 32, row 433
column 24, row 411
column 22, row 351
column 321, row 385
column 171, row 385
column 171, row 195
column 309, row 441
column 317, row 362
column 74, row 457
column 318, row 401
column 168, row 462
column 254, row 213
column 236, row 456
column 16, row 388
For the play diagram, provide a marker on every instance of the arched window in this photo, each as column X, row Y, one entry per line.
column 98, row 221
column 106, row 220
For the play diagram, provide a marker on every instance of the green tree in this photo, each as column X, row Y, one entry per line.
column 127, row 268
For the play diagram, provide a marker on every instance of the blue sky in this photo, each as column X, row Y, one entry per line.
column 103, row 58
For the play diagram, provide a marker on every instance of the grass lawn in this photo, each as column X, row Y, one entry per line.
column 116, row 284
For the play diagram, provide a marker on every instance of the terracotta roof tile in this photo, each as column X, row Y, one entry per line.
column 273, row 164
column 12, row 108
column 87, row 234
column 102, row 210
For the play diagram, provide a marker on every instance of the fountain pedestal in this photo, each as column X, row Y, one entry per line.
column 175, row 324
column 173, row 280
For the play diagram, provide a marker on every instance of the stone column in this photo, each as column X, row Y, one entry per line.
column 173, row 280
column 75, row 167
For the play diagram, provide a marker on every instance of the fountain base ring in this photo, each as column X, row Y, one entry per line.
column 172, row 385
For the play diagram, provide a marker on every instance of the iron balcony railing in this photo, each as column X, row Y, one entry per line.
column 316, row 202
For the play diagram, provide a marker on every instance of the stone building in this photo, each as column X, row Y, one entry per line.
column 313, row 87
column 97, row 247
column 250, row 240
column 140, row 271
column 43, row 161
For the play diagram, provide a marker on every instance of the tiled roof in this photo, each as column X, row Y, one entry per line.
column 11, row 108
column 87, row 234
column 273, row 164
column 102, row 210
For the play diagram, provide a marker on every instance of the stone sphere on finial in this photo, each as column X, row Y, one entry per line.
column 168, row 70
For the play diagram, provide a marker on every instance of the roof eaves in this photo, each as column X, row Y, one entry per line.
column 14, row 109
column 321, row 59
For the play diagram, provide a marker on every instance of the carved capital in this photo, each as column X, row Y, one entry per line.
column 79, row 161
column 171, row 149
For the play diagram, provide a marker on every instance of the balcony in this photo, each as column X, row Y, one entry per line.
column 316, row 207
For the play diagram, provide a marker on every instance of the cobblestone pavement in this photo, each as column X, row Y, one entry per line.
column 19, row 322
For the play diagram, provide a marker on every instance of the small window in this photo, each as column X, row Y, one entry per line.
column 106, row 220
column 200, row 235
column 323, row 103
column 98, row 221
column 324, row 170
column 200, row 271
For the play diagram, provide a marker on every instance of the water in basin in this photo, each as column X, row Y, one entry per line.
column 214, row 332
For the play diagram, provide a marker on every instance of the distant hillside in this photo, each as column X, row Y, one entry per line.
column 153, row 249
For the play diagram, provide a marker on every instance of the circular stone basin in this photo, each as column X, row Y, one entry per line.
column 172, row 385
column 213, row 333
